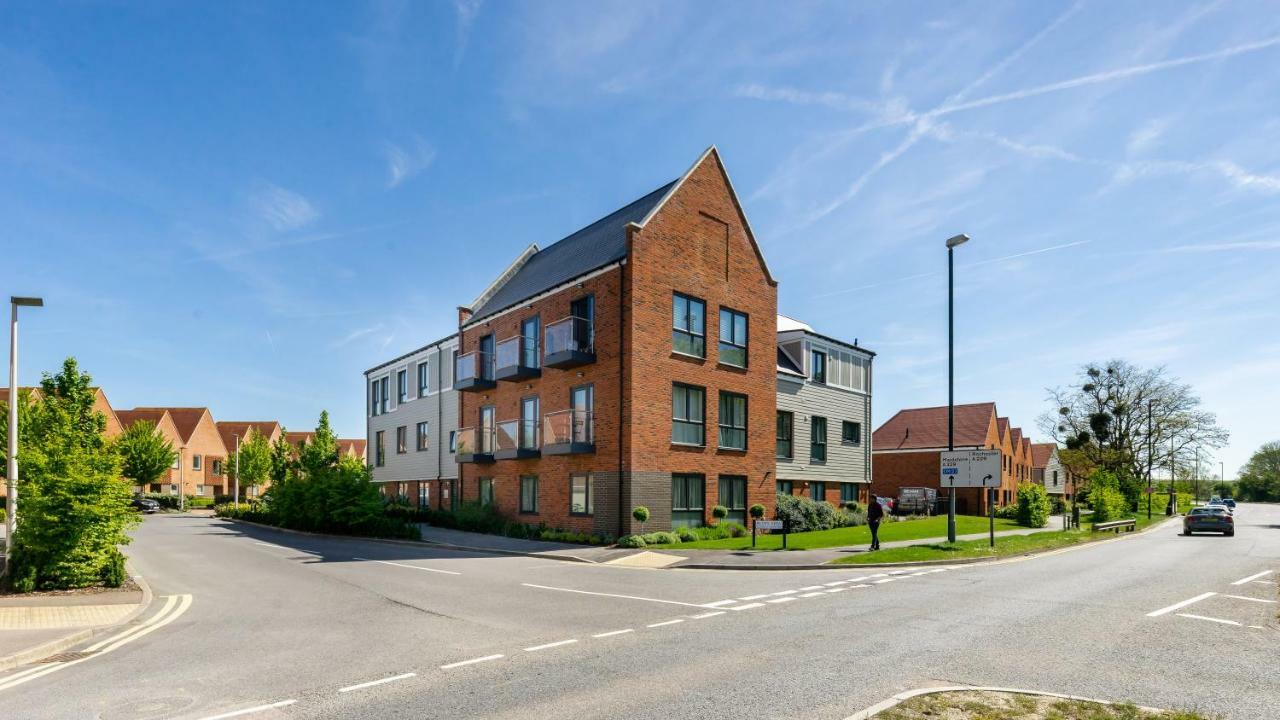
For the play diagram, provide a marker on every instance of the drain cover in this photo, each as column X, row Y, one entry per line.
column 66, row 657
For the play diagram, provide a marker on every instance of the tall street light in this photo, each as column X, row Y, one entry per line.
column 952, row 244
column 11, row 476
column 236, row 491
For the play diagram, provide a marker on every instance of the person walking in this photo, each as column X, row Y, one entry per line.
column 875, row 513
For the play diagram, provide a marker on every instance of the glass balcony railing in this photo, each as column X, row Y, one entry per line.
column 507, row 436
column 473, row 369
column 569, row 342
column 572, row 429
column 517, row 358
column 474, row 443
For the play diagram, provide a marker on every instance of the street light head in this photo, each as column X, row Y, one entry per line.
column 957, row 240
column 27, row 301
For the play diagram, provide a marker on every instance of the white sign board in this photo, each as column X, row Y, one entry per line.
column 768, row 524
column 970, row 468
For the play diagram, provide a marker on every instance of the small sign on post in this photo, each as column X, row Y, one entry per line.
column 769, row 525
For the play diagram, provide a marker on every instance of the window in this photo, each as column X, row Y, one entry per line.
column 380, row 448
column 384, row 385
column 847, row 370
column 486, row 491
column 528, row 493
column 485, row 358
column 530, row 330
column 733, row 496
column 818, row 439
column 424, row 495
column 402, row 490
column 1055, row 478
column 688, row 496
column 850, row 432
column 373, row 398
column 402, row 386
column 733, row 421
column 581, row 497
column 818, row 491
column 689, row 325
column 217, row 467
column 786, row 423
column 402, row 440
column 818, row 367
column 488, row 422
column 176, row 460
column 528, row 423
column 424, row 379
column 733, row 337
column 199, row 489
column 848, row 492
column 688, row 413
column 453, row 441
column 786, row 487
column 424, row 432
column 195, row 462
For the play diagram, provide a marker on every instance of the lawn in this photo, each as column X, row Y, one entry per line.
column 861, row 535
column 977, row 705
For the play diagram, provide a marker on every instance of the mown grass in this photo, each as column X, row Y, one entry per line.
column 861, row 535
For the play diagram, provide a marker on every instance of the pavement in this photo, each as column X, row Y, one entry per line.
column 35, row 626
column 253, row 622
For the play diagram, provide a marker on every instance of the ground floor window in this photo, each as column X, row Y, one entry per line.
column 581, row 495
column 528, row 493
column 199, row 489
column 785, row 487
column 848, row 492
column 818, row 491
column 688, row 500
column 486, row 491
column 733, row 496
column 424, row 495
column 402, row 490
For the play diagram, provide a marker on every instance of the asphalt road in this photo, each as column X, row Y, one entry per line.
column 246, row 619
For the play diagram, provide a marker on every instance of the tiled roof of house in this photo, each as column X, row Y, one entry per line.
column 920, row 428
column 229, row 429
column 129, row 417
column 186, row 419
column 1040, row 454
column 1002, row 425
column 594, row 246
column 1015, row 439
column 346, row 446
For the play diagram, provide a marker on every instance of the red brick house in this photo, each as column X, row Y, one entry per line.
column 631, row 363
column 233, row 431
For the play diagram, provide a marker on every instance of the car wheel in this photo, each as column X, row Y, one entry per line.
column 1186, row 532
column 1230, row 533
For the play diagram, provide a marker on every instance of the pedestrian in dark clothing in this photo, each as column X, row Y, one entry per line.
column 875, row 513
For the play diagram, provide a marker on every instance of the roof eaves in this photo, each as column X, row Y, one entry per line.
column 411, row 353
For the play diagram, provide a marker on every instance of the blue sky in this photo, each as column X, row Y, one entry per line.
column 244, row 205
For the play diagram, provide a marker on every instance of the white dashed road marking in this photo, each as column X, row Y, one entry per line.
column 1179, row 605
column 820, row 593
column 249, row 711
column 1202, row 617
column 472, row 661
column 1251, row 578
column 749, row 598
column 811, row 588
column 704, row 616
column 615, row 595
column 550, row 645
column 1250, row 599
column 411, row 567
column 718, row 603
column 667, row 622
column 781, row 600
column 786, row 592
column 612, row 633
column 382, row 681
column 748, row 606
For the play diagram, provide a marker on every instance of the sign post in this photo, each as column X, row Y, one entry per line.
column 975, row 469
column 769, row 525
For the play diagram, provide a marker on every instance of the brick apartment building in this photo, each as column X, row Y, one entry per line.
column 631, row 363
column 907, row 447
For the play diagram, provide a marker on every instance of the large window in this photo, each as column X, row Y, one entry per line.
column 581, row 497
column 385, row 385
column 195, row 462
column 530, row 330
column 848, row 492
column 850, row 432
column 373, row 398
column 402, row 386
column 402, row 440
column 424, row 432
column 424, row 495
column 688, row 498
column 528, row 493
column 733, row 337
column 785, row 434
column 818, row 491
column 217, row 467
column 486, row 491
column 528, row 423
column 818, row 439
column 424, row 379
column 818, row 367
column 733, row 421
column 786, row 487
column 689, row 325
column 380, row 448
column 688, row 414
column 847, row 370
column 733, row 496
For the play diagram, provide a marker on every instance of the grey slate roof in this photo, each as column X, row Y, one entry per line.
column 594, row 246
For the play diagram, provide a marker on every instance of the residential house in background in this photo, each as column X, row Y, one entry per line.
column 163, row 423
column 100, row 403
column 233, row 431
column 823, row 443
column 1048, row 470
column 200, row 450
column 412, row 422
column 633, row 362
column 352, row 447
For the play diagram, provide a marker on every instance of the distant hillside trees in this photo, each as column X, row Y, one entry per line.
column 1260, row 477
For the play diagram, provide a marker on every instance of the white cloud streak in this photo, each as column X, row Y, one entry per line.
column 282, row 209
column 406, row 161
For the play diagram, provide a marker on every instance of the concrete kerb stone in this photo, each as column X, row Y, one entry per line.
column 418, row 543
column 53, row 647
column 902, row 697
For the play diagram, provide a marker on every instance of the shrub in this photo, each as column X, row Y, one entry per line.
column 1108, row 504
column 1007, row 512
column 166, row 501
column 734, row 530
column 851, row 518
column 641, row 514
column 200, row 502
column 853, row 506
column 757, row 511
column 686, row 535
column 631, row 541
column 802, row 514
column 662, row 538
column 719, row 512
column 1033, row 505
column 113, row 573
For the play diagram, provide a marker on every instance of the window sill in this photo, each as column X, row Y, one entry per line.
column 528, row 512
column 698, row 446
column 676, row 354
column 574, row 514
column 731, row 449
column 731, row 366
column 850, row 443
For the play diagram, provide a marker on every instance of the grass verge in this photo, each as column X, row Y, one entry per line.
column 980, row 705
column 861, row 535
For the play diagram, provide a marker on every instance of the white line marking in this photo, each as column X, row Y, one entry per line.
column 1242, row 597
column 811, row 588
column 548, row 646
column 704, row 616
column 749, row 598
column 836, row 590
column 1202, row 617
column 857, row 579
column 814, row 594
column 897, row 572
column 786, row 592
column 781, row 600
column 747, row 606
column 665, row 623
column 718, row 603
column 472, row 661
column 881, row 582
column 411, row 567
column 246, row 711
column 169, row 602
column 1257, row 627
column 1251, row 578
column 859, row 585
column 1182, row 604
column 879, row 575
column 613, row 632
column 371, row 683
column 922, row 572
column 614, row 595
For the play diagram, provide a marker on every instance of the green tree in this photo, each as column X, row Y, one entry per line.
column 254, row 462
column 282, row 461
column 145, row 454
column 73, row 509
column 1033, row 505
column 1260, row 477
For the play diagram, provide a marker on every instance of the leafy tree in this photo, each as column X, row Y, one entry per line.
column 1104, row 416
column 641, row 515
column 1260, row 477
column 254, row 462
column 1033, row 505
column 1224, row 489
column 73, row 510
column 282, row 461
column 145, row 453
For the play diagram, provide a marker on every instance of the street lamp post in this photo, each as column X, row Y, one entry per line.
column 1150, row 460
column 236, row 492
column 952, row 244
column 11, row 474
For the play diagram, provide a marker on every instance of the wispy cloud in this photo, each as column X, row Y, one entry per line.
column 355, row 335
column 406, row 161
column 282, row 209
column 1223, row 247
column 795, row 96
column 467, row 11
column 1236, row 176
column 1146, row 136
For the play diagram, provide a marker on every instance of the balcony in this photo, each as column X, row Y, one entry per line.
column 474, row 371
column 475, row 445
column 568, row 432
column 512, row 444
column 569, row 343
column 517, row 359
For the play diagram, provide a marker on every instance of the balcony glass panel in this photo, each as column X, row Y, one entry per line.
column 568, row 426
column 569, row 334
column 473, row 366
column 509, row 354
column 506, row 435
